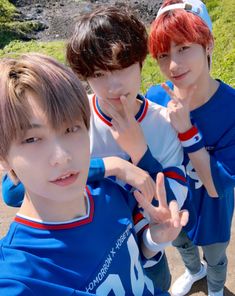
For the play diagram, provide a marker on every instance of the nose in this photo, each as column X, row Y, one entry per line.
column 59, row 155
column 114, row 84
column 174, row 63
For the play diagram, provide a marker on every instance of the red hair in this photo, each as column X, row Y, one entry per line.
column 178, row 26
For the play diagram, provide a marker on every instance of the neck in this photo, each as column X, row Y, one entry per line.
column 53, row 211
column 202, row 92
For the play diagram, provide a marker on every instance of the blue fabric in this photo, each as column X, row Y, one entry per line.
column 157, row 94
column 216, row 122
column 12, row 194
column 91, row 255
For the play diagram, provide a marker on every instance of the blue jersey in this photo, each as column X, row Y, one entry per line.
column 216, row 122
column 93, row 255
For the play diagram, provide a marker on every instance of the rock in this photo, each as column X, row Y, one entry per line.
column 59, row 16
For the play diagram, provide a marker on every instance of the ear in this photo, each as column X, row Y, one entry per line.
column 210, row 47
column 4, row 165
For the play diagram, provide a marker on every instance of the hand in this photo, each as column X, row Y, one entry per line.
column 126, row 130
column 165, row 221
column 130, row 174
column 179, row 110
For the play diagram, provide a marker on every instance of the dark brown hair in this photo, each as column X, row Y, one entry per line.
column 56, row 88
column 109, row 38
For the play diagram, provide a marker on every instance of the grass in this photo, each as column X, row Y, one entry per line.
column 55, row 49
column 223, row 61
column 223, row 66
column 12, row 28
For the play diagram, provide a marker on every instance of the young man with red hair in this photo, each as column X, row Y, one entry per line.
column 201, row 111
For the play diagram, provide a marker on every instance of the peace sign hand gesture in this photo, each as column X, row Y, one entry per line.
column 126, row 130
column 166, row 221
column 179, row 109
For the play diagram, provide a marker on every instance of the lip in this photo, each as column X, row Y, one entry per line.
column 179, row 76
column 65, row 179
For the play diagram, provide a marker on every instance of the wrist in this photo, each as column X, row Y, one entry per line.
column 191, row 140
column 112, row 166
column 151, row 245
column 185, row 128
column 136, row 157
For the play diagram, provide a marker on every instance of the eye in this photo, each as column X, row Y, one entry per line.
column 30, row 140
column 73, row 129
column 98, row 74
column 162, row 56
column 183, row 48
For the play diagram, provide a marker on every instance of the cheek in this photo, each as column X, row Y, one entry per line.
column 98, row 87
column 28, row 170
column 164, row 66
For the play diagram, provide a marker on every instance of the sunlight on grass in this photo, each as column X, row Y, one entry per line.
column 223, row 62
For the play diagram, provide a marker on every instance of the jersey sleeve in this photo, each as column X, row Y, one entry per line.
column 175, row 177
column 222, row 162
column 12, row 194
column 96, row 170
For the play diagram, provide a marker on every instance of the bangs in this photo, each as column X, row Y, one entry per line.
column 180, row 27
column 109, row 39
column 53, row 86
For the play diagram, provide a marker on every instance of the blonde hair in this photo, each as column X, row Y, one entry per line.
column 58, row 91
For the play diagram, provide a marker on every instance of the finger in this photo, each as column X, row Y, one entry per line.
column 144, row 203
column 170, row 92
column 161, row 191
column 150, row 189
column 115, row 126
column 174, row 209
column 108, row 108
column 184, row 216
column 126, row 107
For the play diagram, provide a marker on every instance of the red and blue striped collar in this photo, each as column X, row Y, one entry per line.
column 61, row 225
column 108, row 120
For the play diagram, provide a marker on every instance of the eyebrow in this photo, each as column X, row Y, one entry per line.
column 34, row 125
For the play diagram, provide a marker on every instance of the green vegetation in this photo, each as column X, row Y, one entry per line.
column 55, row 49
column 13, row 29
column 223, row 62
column 7, row 11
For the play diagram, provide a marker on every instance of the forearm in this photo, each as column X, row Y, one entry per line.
column 193, row 145
column 114, row 166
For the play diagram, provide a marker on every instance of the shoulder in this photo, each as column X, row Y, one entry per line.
column 157, row 94
column 157, row 118
column 225, row 92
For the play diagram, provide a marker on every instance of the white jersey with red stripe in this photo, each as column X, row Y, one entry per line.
column 160, row 137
